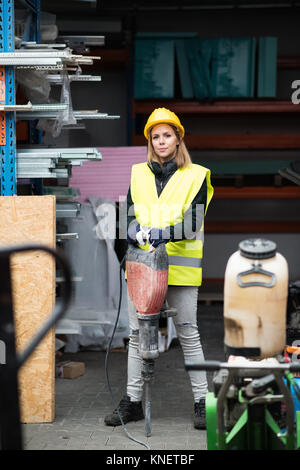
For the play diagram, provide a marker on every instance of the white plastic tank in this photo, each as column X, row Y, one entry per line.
column 255, row 300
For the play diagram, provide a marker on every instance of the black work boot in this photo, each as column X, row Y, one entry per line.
column 129, row 411
column 200, row 414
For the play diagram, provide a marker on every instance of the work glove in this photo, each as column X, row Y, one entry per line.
column 158, row 236
column 133, row 229
column 137, row 234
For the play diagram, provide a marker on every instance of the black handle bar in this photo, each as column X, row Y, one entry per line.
column 206, row 365
column 217, row 365
column 61, row 304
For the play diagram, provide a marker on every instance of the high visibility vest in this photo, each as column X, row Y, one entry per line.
column 185, row 256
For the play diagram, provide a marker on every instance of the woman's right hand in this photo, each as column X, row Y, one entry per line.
column 133, row 229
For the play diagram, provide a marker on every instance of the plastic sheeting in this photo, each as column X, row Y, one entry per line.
column 96, row 297
column 64, row 117
column 34, row 84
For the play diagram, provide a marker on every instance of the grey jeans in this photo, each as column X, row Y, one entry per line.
column 184, row 299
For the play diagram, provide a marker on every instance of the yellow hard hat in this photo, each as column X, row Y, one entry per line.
column 163, row 116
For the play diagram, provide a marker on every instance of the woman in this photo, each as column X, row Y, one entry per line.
column 170, row 195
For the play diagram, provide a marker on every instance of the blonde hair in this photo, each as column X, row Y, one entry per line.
column 182, row 156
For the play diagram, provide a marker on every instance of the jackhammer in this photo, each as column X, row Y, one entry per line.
column 147, row 281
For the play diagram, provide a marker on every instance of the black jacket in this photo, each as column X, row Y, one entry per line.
column 187, row 228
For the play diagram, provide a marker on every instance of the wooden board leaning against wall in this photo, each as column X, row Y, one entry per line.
column 30, row 220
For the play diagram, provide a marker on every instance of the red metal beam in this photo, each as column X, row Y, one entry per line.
column 218, row 107
column 236, row 141
column 251, row 227
column 257, row 192
column 288, row 62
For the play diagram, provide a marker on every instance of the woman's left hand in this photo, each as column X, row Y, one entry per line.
column 158, row 236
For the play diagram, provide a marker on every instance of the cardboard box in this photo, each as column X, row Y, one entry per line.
column 69, row 369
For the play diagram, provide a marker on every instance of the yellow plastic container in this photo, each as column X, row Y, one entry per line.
column 255, row 300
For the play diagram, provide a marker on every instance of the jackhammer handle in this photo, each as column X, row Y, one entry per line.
column 206, row 365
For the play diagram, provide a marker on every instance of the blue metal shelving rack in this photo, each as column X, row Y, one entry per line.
column 32, row 32
column 7, row 92
column 8, row 121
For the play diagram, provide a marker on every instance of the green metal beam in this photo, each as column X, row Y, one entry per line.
column 277, row 440
column 236, row 439
column 211, row 421
column 297, row 430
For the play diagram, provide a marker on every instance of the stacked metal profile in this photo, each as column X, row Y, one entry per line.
column 54, row 58
column 52, row 162
column 43, row 58
column 62, row 64
column 51, row 113
column 56, row 162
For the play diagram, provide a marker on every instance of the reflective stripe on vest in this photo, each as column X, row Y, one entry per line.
column 168, row 209
column 185, row 261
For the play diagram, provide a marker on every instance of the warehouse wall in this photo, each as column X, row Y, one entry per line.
column 111, row 96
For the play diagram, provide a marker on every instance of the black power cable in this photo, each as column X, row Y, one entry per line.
column 106, row 364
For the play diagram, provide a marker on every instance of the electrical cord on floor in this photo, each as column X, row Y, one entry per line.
column 106, row 364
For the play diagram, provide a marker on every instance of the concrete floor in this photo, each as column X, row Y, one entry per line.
column 82, row 403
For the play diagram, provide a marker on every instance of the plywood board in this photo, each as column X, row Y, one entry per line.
column 27, row 220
